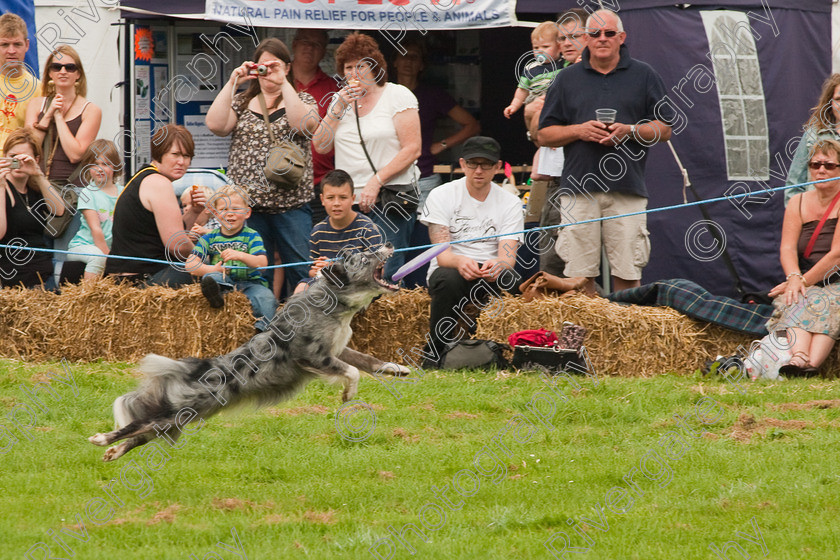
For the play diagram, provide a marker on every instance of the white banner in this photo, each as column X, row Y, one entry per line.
column 391, row 17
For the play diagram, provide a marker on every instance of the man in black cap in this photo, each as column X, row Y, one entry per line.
column 464, row 277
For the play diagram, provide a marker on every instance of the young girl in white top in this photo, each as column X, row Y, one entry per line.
column 100, row 164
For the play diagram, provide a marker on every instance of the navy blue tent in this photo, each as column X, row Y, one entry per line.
column 26, row 10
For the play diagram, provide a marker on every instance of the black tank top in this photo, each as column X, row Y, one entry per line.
column 135, row 231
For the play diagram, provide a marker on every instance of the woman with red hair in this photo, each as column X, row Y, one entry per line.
column 374, row 126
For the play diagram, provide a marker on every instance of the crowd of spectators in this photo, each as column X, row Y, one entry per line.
column 367, row 148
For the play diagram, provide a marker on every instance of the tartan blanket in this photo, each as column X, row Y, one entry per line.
column 696, row 302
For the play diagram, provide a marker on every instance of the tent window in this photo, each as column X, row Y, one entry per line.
column 740, row 94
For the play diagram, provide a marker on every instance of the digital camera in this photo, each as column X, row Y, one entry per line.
column 257, row 69
column 14, row 162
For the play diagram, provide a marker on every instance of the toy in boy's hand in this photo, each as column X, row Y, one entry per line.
column 419, row 261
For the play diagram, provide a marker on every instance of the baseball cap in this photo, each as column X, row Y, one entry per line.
column 481, row 147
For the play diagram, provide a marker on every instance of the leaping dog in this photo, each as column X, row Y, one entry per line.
column 307, row 339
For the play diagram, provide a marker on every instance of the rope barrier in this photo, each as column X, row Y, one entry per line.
column 21, row 248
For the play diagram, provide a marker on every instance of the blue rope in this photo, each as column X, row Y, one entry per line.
column 418, row 247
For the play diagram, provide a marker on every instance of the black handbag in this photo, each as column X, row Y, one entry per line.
column 561, row 356
column 404, row 196
column 554, row 359
column 473, row 353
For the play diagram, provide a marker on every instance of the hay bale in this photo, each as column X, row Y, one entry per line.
column 393, row 326
column 622, row 340
column 104, row 320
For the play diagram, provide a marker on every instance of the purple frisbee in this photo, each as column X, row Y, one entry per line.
column 419, row 261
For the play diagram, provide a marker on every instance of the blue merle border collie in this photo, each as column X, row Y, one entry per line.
column 306, row 340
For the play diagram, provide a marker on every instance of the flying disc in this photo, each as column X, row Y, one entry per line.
column 419, row 261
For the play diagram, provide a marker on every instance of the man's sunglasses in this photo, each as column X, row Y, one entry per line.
column 57, row 66
column 608, row 33
column 829, row 165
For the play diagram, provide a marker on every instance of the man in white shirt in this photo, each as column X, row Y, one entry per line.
column 472, row 208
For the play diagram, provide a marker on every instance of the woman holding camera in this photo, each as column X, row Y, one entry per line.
column 280, row 213
column 63, row 117
column 26, row 201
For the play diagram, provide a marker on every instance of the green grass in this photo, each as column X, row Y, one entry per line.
column 292, row 487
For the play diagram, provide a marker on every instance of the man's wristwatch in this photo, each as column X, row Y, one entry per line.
column 443, row 143
column 633, row 129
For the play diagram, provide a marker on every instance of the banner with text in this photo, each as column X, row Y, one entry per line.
column 394, row 17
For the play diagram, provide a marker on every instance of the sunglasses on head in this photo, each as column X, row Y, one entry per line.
column 57, row 66
column 829, row 165
column 608, row 33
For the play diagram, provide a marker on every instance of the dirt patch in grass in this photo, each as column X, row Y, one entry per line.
column 320, row 517
column 276, row 519
column 231, row 504
column 299, row 410
column 405, row 436
column 386, row 475
column 833, row 403
column 167, row 514
column 747, row 425
column 458, row 414
column 133, row 515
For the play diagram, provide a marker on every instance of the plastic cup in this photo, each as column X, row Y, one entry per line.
column 606, row 116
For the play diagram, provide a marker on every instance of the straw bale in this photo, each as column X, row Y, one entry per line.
column 393, row 326
column 103, row 320
column 621, row 340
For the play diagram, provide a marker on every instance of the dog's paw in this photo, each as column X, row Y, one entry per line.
column 351, row 386
column 115, row 452
column 99, row 439
column 395, row 369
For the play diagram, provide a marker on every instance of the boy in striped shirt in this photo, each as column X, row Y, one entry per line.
column 233, row 245
column 344, row 231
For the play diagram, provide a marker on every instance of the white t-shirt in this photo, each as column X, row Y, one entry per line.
column 380, row 138
column 451, row 205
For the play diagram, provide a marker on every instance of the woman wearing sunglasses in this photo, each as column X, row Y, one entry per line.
column 65, row 123
column 807, row 303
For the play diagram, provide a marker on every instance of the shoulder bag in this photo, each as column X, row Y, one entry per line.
column 286, row 162
column 55, row 226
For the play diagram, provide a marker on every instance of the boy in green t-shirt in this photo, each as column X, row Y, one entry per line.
column 233, row 245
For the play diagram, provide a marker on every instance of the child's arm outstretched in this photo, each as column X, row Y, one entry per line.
column 317, row 265
column 518, row 101
column 253, row 261
column 197, row 267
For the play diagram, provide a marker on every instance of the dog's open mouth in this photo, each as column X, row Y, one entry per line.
column 377, row 275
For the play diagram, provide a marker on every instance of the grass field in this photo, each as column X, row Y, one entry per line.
column 486, row 465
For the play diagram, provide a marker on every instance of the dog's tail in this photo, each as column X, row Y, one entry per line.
column 152, row 398
column 154, row 365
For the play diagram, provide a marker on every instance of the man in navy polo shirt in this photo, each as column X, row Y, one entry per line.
column 605, row 163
